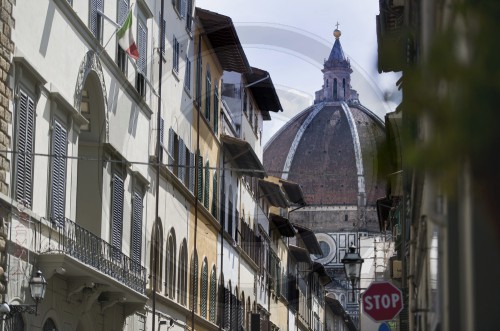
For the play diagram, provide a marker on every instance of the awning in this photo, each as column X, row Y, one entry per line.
column 324, row 278
column 224, row 40
column 273, row 193
column 294, row 192
column 300, row 254
column 283, row 225
column 244, row 156
column 263, row 91
column 309, row 239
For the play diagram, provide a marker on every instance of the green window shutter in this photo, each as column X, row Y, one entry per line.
column 204, row 289
column 214, row 196
column 200, row 178
column 208, row 91
column 207, row 185
column 213, row 296
column 216, row 109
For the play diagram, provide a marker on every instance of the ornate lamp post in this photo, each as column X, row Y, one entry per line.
column 352, row 265
column 38, row 284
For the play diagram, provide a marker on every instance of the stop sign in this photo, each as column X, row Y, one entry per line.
column 382, row 301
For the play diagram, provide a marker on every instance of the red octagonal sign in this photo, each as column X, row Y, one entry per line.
column 382, row 301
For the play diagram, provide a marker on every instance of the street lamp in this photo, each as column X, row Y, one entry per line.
column 352, row 266
column 38, row 284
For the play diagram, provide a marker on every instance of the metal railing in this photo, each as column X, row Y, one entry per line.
column 86, row 247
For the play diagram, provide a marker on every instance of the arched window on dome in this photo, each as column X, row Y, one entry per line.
column 343, row 86
column 335, row 97
column 327, row 82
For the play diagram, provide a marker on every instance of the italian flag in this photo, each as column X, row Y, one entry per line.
column 126, row 37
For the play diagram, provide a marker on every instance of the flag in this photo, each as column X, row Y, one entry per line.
column 126, row 38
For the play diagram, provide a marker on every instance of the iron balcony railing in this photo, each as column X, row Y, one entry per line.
column 73, row 240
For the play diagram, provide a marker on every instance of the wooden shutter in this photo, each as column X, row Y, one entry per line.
column 227, row 308
column 214, row 196
column 96, row 19
column 255, row 319
column 194, row 283
column 208, row 90
column 240, row 305
column 123, row 6
column 216, row 108
column 189, row 15
column 175, row 55
column 171, row 146
column 181, row 172
column 117, row 215
column 25, row 148
column 58, row 192
column 204, row 289
column 142, row 44
column 198, row 74
column 213, row 296
column 187, row 76
column 206, row 196
column 137, row 205
column 162, row 131
column 200, row 178
column 234, row 313
column 183, row 8
column 230, row 218
column 162, row 36
column 191, row 172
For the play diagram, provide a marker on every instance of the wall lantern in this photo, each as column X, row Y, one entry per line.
column 38, row 284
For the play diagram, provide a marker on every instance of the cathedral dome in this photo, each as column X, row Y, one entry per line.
column 331, row 150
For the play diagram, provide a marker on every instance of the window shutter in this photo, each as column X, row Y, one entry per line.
column 123, row 6
column 198, row 74
column 191, row 172
column 194, row 283
column 189, row 17
column 162, row 131
column 117, row 216
column 95, row 18
column 187, row 77
column 227, row 308
column 208, row 90
column 163, row 35
column 200, row 178
column 236, row 221
column 207, row 185
column 137, row 206
column 60, row 143
column 222, row 207
column 175, row 56
column 230, row 218
column 240, row 306
column 26, row 127
column 216, row 108
column 142, row 42
column 234, row 313
column 183, row 8
column 204, row 289
column 214, row 196
column 213, row 295
column 182, row 161
column 171, row 144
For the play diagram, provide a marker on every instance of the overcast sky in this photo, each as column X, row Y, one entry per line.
column 291, row 38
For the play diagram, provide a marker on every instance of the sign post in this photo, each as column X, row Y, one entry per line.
column 382, row 301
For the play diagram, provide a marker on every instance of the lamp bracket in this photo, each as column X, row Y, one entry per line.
column 20, row 309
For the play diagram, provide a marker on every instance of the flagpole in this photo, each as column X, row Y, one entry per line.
column 158, row 163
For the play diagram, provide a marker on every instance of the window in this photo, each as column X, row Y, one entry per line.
column 121, row 56
column 250, row 116
column 180, row 7
column 194, row 282
column 156, row 255
column 25, row 148
column 59, row 150
column 343, row 86
column 142, row 67
column 117, row 215
column 204, row 288
column 171, row 265
column 176, row 50
column 208, row 90
column 49, row 325
column 214, row 196
column 96, row 19
column 136, row 236
column 171, row 149
column 200, row 178
column 245, row 101
column 216, row 108
column 182, row 298
column 163, row 35
column 206, row 196
column 213, row 295
column 189, row 15
column 181, row 169
column 335, row 89
column 187, row 76
column 191, row 172
column 198, row 74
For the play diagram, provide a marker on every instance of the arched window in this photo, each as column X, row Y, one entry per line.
column 194, row 282
column 249, row 313
column 343, row 86
column 230, row 212
column 49, row 325
column 214, row 196
column 335, row 97
column 204, row 288
column 182, row 298
column 171, row 264
column 207, row 185
column 156, row 258
column 221, row 301
column 213, row 295
column 327, row 83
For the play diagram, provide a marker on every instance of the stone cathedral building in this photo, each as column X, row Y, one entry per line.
column 331, row 150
